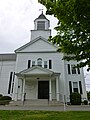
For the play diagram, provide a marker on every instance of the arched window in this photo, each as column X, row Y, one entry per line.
column 39, row 62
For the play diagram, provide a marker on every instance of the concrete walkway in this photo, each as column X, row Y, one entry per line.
column 47, row 108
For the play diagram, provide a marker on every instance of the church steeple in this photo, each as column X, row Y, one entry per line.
column 41, row 27
column 41, row 23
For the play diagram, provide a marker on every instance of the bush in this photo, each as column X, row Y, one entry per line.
column 1, row 95
column 75, row 98
column 6, row 98
column 4, row 102
column 85, row 102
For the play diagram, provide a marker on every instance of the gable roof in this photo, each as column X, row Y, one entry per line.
column 32, row 42
column 35, row 70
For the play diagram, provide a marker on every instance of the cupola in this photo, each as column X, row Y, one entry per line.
column 41, row 23
column 41, row 27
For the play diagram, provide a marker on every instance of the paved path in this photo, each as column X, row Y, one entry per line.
column 47, row 108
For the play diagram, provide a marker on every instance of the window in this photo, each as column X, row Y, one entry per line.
column 50, row 64
column 70, row 87
column 45, row 64
column 41, row 25
column 73, row 69
column 75, row 87
column 68, row 65
column 10, row 82
column 80, row 86
column 33, row 63
column 39, row 62
column 29, row 63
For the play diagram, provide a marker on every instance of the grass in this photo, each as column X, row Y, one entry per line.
column 43, row 115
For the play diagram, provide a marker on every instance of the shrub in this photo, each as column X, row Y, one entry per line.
column 85, row 102
column 75, row 98
column 4, row 102
column 6, row 98
column 1, row 95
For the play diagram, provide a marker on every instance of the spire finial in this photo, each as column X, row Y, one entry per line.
column 41, row 10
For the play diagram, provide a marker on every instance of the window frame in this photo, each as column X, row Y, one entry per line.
column 33, row 64
column 39, row 62
column 75, row 87
column 73, row 69
column 40, row 25
column 45, row 64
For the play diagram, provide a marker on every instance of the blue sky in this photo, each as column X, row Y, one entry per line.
column 16, row 21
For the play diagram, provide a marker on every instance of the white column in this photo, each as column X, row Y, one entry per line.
column 50, row 91
column 23, row 90
column 16, row 89
column 57, row 88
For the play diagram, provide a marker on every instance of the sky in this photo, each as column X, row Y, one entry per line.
column 16, row 21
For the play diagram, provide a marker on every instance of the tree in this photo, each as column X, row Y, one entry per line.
column 73, row 28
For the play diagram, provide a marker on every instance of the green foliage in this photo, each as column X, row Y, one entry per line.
column 88, row 95
column 75, row 99
column 4, row 100
column 85, row 102
column 73, row 28
column 43, row 115
column 1, row 95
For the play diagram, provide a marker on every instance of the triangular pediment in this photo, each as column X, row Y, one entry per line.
column 35, row 70
column 39, row 44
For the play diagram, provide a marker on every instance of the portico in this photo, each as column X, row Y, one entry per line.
column 38, row 83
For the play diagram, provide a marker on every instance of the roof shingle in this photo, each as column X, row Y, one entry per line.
column 8, row 57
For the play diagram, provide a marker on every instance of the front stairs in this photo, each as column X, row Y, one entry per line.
column 39, row 102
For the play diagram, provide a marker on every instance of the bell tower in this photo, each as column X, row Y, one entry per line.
column 41, row 27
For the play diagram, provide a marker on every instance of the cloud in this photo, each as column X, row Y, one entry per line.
column 16, row 21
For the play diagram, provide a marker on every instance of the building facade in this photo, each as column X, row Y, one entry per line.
column 37, row 71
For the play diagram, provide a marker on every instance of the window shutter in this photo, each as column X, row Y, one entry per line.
column 10, row 82
column 13, row 82
column 68, row 65
column 50, row 64
column 80, row 86
column 78, row 69
column 29, row 63
column 70, row 87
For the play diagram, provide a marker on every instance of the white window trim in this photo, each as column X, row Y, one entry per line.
column 71, row 69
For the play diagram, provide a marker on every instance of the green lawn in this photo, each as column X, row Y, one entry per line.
column 43, row 115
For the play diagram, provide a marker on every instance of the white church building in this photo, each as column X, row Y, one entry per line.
column 36, row 70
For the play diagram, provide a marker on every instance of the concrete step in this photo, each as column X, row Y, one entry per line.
column 36, row 102
column 39, row 102
column 16, row 103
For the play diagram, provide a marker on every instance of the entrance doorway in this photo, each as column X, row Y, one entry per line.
column 43, row 89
